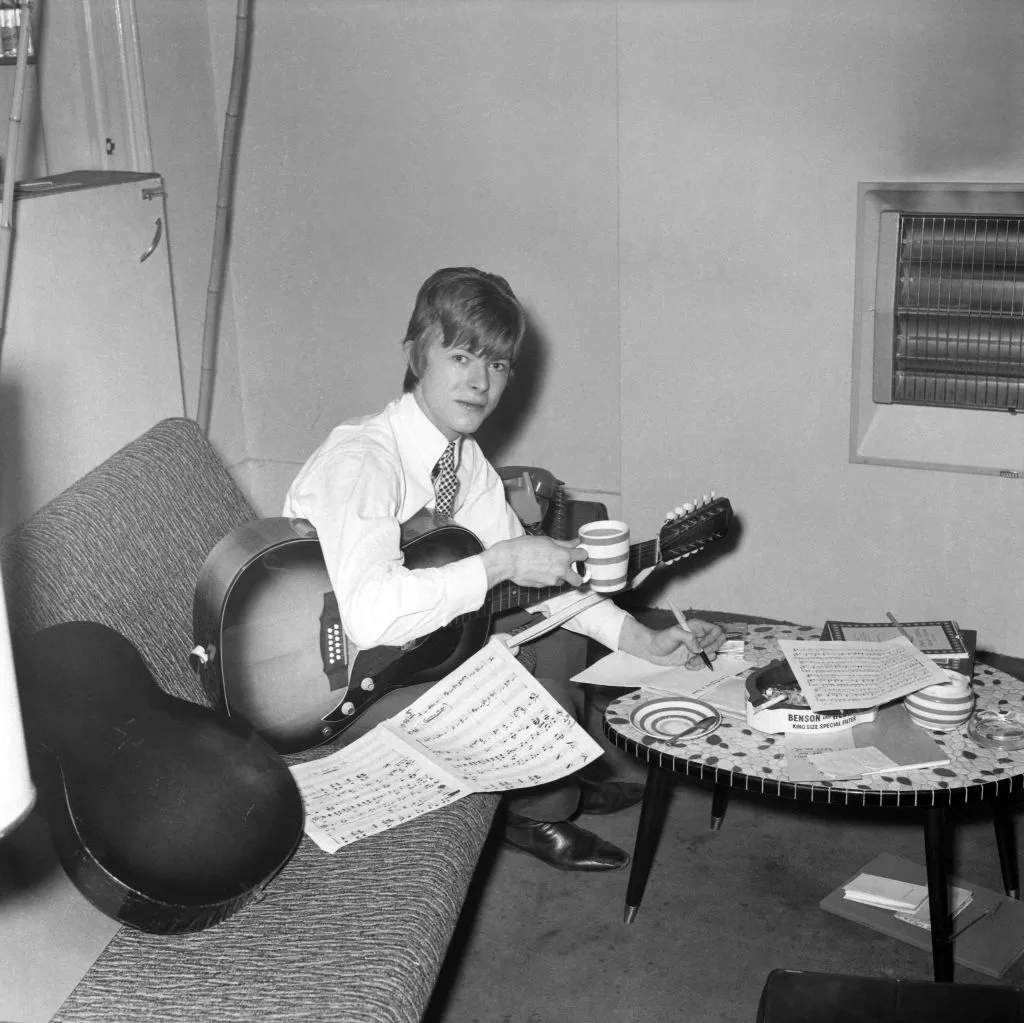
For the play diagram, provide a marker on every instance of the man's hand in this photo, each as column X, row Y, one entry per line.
column 533, row 561
column 671, row 646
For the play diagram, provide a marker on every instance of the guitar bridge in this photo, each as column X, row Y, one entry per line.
column 333, row 643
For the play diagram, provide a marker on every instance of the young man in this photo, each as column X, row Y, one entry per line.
column 373, row 474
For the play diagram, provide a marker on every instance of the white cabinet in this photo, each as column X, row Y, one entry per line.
column 89, row 355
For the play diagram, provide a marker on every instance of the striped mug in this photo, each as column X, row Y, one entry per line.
column 942, row 706
column 607, row 545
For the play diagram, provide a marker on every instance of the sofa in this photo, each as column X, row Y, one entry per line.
column 355, row 936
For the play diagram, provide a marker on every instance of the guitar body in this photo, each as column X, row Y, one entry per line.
column 166, row 815
column 277, row 656
column 271, row 647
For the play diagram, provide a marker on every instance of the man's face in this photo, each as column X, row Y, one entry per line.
column 458, row 390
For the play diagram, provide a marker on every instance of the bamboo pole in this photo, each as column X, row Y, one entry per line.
column 228, row 159
column 11, row 167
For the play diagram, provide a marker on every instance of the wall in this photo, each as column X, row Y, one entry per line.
column 671, row 188
column 377, row 150
column 745, row 128
column 186, row 123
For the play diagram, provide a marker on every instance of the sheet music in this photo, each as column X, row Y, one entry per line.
column 375, row 784
column 838, row 675
column 489, row 726
column 494, row 725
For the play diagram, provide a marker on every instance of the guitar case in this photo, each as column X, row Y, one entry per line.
column 166, row 815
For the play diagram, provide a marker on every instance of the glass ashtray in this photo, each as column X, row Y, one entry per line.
column 997, row 729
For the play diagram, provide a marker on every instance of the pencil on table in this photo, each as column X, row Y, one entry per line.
column 892, row 618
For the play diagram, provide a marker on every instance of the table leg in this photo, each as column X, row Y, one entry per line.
column 1006, row 843
column 936, row 848
column 652, row 817
column 719, row 801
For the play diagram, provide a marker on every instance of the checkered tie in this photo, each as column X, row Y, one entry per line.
column 446, row 483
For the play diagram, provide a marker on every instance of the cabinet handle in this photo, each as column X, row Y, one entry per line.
column 156, row 241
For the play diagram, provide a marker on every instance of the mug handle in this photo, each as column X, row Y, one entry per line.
column 584, row 572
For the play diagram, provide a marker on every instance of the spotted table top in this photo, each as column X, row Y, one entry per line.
column 740, row 756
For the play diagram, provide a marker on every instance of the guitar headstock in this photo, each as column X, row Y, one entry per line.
column 693, row 526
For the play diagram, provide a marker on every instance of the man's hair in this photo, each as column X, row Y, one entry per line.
column 465, row 308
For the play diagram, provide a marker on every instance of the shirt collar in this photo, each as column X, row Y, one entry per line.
column 424, row 437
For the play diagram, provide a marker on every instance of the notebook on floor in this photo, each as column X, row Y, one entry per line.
column 990, row 944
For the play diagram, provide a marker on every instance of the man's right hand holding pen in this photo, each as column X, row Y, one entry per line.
column 685, row 626
column 689, row 644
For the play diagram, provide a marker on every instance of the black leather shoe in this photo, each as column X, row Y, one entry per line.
column 608, row 796
column 563, row 845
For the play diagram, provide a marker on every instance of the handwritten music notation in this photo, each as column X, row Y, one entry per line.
column 489, row 726
column 837, row 675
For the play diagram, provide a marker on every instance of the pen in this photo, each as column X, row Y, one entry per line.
column 685, row 626
column 892, row 618
column 989, row 913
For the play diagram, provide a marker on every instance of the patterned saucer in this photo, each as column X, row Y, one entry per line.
column 664, row 717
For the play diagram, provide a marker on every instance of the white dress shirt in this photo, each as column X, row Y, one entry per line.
column 374, row 473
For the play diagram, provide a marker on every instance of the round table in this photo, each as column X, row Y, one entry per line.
column 737, row 756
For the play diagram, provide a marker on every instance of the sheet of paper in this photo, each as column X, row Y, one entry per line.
column 700, row 683
column 852, row 763
column 495, row 726
column 729, row 695
column 802, row 749
column 370, row 786
column 627, row 671
column 489, row 726
column 618, row 669
column 839, row 675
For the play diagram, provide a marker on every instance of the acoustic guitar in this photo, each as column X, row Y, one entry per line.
column 271, row 646
column 167, row 816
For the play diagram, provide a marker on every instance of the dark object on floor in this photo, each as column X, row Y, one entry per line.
column 793, row 996
column 167, row 816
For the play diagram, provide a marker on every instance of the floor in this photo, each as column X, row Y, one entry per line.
column 722, row 909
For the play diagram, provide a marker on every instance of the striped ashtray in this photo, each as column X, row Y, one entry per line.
column 664, row 717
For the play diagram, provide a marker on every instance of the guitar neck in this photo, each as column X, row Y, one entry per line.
column 508, row 596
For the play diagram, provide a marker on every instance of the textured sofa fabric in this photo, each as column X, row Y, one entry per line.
column 357, row 936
